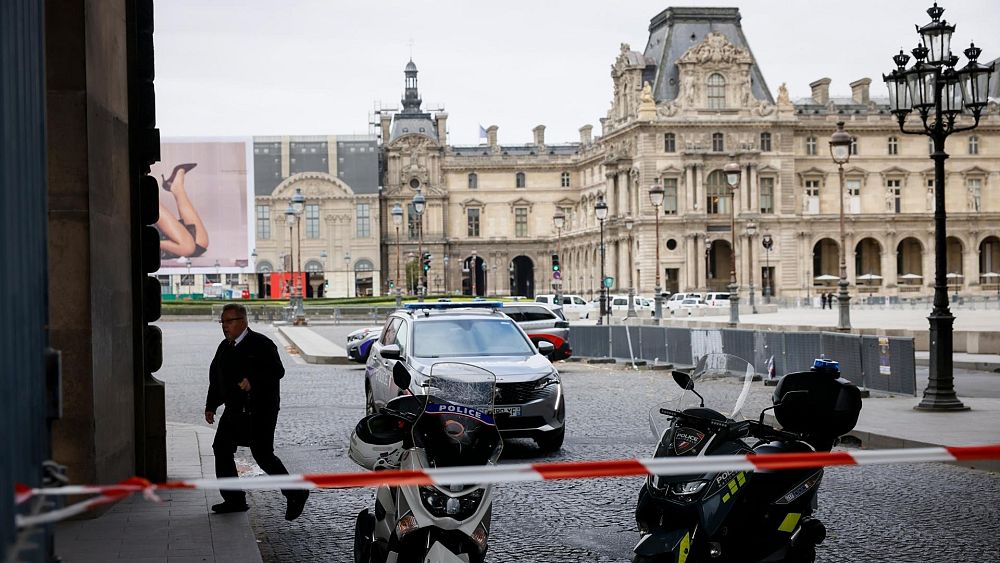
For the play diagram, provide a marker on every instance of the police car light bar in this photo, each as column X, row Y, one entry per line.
column 457, row 305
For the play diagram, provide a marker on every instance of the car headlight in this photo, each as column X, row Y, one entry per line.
column 550, row 379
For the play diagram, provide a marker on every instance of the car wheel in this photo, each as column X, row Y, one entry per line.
column 551, row 441
column 369, row 400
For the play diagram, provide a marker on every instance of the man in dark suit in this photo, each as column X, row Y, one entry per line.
column 245, row 376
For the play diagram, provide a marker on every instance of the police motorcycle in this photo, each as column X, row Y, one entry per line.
column 449, row 425
column 759, row 516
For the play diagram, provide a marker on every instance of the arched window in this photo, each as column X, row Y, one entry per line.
column 473, row 181
column 364, row 266
column 765, row 142
column 718, row 142
column 313, row 266
column 264, row 267
column 519, row 180
column 717, row 194
column 716, row 91
column 564, row 180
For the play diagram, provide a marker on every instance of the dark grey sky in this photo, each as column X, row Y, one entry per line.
column 256, row 67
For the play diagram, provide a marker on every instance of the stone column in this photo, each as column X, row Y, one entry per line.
column 688, row 205
column 889, row 272
column 753, row 204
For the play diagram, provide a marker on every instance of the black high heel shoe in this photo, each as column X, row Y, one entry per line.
column 186, row 167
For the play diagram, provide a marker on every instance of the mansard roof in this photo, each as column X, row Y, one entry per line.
column 674, row 31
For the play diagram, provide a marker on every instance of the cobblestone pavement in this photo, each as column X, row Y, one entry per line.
column 886, row 513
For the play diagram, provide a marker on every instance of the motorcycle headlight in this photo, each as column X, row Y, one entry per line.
column 441, row 505
column 687, row 489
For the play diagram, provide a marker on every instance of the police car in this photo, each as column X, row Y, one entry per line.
column 529, row 400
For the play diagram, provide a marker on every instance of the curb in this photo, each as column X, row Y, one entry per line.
column 988, row 367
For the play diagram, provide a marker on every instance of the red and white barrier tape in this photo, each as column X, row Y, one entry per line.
column 514, row 473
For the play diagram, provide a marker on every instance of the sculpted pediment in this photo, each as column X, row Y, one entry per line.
column 975, row 171
column 813, row 172
column 410, row 141
column 894, row 171
column 566, row 202
column 670, row 170
column 472, row 202
column 521, row 202
column 716, row 48
column 767, row 169
column 313, row 185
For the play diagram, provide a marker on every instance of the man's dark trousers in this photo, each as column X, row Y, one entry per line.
column 261, row 433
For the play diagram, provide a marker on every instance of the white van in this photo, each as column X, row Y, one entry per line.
column 675, row 300
column 717, row 299
column 572, row 304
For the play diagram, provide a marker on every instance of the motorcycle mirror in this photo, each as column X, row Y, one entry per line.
column 400, row 375
column 683, row 379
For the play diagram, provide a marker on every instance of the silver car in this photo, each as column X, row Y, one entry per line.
column 529, row 402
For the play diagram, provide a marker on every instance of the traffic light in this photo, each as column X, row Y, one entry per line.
column 427, row 261
column 555, row 262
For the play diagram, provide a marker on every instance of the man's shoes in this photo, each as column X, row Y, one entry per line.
column 296, row 502
column 227, row 507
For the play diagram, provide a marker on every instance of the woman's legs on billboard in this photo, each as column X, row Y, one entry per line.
column 189, row 215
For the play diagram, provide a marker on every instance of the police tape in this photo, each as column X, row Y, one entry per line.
column 525, row 472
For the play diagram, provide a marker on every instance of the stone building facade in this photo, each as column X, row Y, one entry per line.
column 691, row 102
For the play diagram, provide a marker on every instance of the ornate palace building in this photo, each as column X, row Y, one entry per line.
column 691, row 102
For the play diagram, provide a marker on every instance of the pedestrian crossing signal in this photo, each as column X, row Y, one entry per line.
column 555, row 262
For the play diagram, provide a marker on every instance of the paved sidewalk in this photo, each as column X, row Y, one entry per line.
column 181, row 529
column 312, row 347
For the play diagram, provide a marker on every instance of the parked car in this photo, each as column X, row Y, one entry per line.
column 619, row 304
column 717, row 299
column 543, row 322
column 692, row 303
column 675, row 300
column 529, row 401
column 571, row 304
column 359, row 343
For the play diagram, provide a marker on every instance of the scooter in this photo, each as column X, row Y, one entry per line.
column 449, row 425
column 760, row 516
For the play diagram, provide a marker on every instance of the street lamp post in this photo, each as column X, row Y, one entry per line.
column 473, row 272
column 322, row 260
column 559, row 220
column 767, row 242
column 840, row 150
column 733, row 172
column 418, row 207
column 939, row 94
column 444, row 260
column 708, row 260
column 629, row 223
column 397, row 220
column 347, row 272
column 751, row 230
column 601, row 210
column 656, row 198
column 290, row 219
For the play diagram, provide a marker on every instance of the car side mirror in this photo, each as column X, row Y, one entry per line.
column 562, row 324
column 391, row 351
column 400, row 375
column 545, row 347
column 683, row 379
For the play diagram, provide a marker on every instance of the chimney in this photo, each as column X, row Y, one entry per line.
column 821, row 91
column 441, row 120
column 491, row 135
column 539, row 132
column 386, row 126
column 859, row 90
column 585, row 134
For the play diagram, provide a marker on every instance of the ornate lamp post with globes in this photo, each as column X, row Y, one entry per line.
column 751, row 231
column 767, row 242
column 733, row 171
column 656, row 198
column 629, row 223
column 840, row 150
column 940, row 94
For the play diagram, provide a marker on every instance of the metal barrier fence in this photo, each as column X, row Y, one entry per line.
column 270, row 313
column 880, row 363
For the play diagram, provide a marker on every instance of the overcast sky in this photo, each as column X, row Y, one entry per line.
column 297, row 67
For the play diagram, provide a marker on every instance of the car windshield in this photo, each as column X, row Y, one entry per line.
column 450, row 338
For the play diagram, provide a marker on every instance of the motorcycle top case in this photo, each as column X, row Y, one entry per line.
column 817, row 403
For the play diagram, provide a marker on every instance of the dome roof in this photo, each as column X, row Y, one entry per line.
column 410, row 67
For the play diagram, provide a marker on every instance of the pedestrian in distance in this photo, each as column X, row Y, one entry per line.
column 822, row 300
column 245, row 376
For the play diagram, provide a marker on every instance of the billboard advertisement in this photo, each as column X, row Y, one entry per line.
column 206, row 198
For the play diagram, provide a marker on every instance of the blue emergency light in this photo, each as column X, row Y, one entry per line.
column 454, row 305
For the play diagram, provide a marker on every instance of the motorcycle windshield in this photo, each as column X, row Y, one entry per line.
column 456, row 425
column 722, row 379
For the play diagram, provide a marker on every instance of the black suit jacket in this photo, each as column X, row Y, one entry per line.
column 255, row 358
